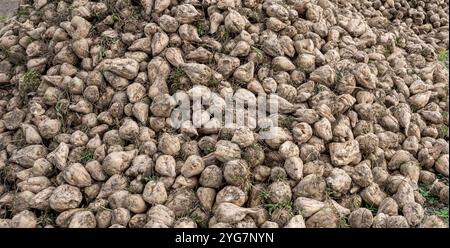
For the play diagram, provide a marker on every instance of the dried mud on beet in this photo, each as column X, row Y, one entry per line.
column 86, row 95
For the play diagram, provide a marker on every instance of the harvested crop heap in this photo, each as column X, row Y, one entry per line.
column 85, row 96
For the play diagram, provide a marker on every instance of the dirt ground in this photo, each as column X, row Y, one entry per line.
column 7, row 9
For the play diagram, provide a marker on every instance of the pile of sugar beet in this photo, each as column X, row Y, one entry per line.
column 86, row 93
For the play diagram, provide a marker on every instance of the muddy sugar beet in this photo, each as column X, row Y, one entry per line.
column 358, row 114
